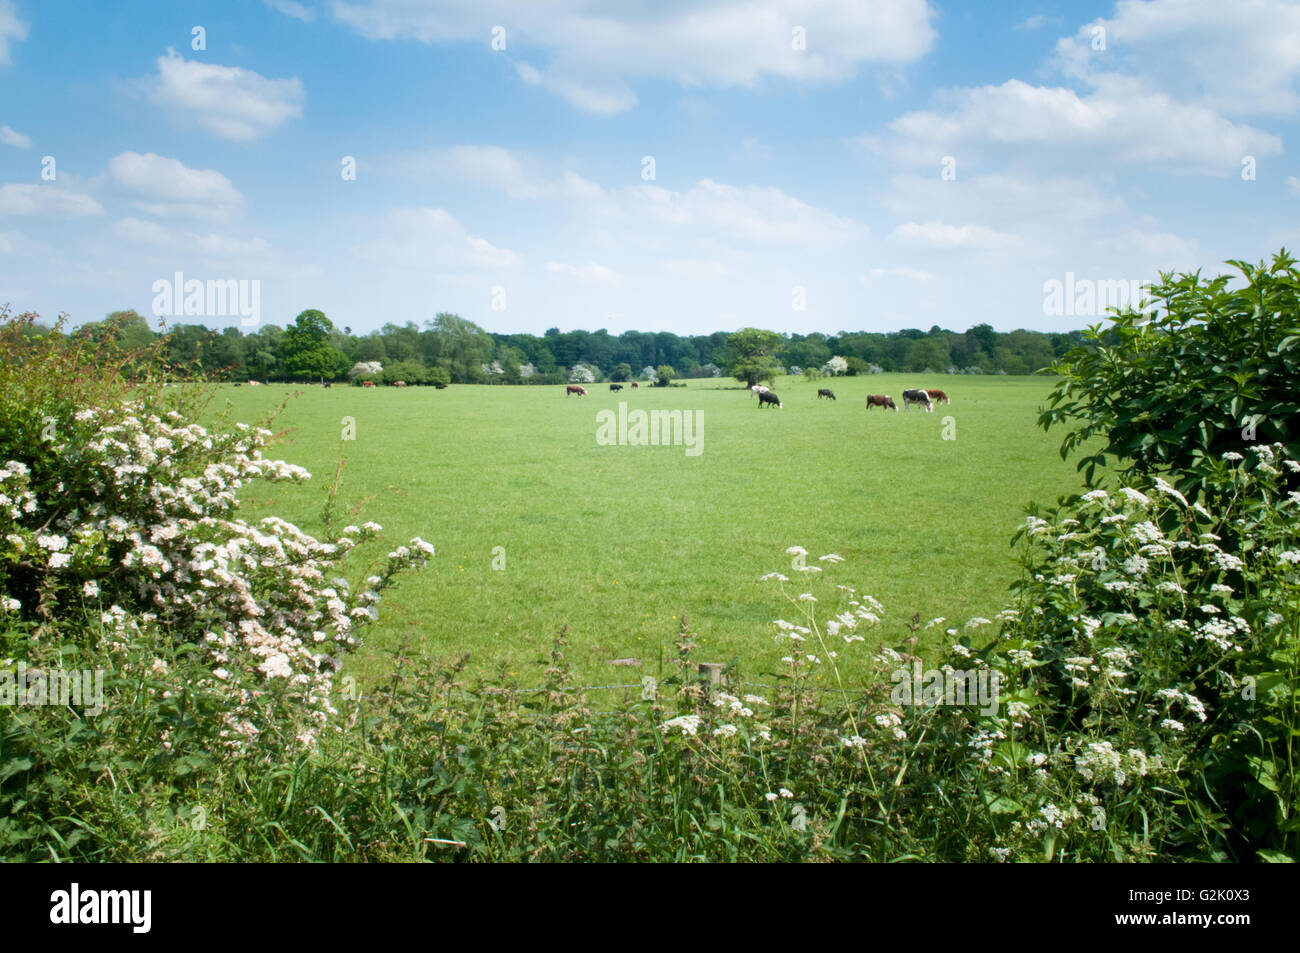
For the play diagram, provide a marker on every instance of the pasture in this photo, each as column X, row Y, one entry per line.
column 539, row 524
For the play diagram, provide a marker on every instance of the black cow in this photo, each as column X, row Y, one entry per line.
column 825, row 392
column 911, row 397
column 614, row 387
column 768, row 397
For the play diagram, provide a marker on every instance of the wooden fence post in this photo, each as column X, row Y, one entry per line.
column 716, row 678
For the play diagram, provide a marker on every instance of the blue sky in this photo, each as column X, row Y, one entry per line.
column 799, row 154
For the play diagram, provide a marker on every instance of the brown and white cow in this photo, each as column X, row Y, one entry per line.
column 938, row 396
column 883, row 401
column 399, row 383
column 768, row 397
column 911, row 397
column 634, row 386
column 367, row 383
column 254, row 383
column 575, row 389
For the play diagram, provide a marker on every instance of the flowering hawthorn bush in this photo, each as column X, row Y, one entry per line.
column 119, row 526
column 147, row 535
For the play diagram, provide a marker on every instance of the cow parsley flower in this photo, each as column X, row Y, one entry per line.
column 1168, row 490
column 688, row 724
column 1135, row 496
column 1136, row 566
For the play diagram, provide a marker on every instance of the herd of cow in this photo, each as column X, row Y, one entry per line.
column 927, row 398
column 922, row 398
column 582, row 391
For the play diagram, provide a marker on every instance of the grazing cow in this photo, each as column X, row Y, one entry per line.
column 883, row 401
column 575, row 389
column 758, row 389
column 367, row 383
column 767, row 397
column 237, row 384
column 614, row 387
column 938, row 396
column 399, row 383
column 825, row 392
column 328, row 384
column 911, row 397
column 635, row 386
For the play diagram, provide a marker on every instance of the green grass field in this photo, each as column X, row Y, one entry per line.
column 620, row 541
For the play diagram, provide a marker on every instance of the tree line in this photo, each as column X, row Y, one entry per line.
column 452, row 349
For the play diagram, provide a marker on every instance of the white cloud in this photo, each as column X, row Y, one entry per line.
column 750, row 214
column 432, row 238
column 910, row 274
column 1122, row 120
column 1293, row 185
column 1019, row 203
column 46, row 200
column 227, row 101
column 12, row 30
column 756, row 214
column 603, row 98
column 1151, row 246
column 1242, row 57
column 141, row 232
column 590, row 272
column 169, row 187
column 9, row 242
column 15, row 139
column 719, row 42
column 223, row 246
column 941, row 236
column 491, row 166
column 291, row 8
column 1037, row 21
column 211, row 245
